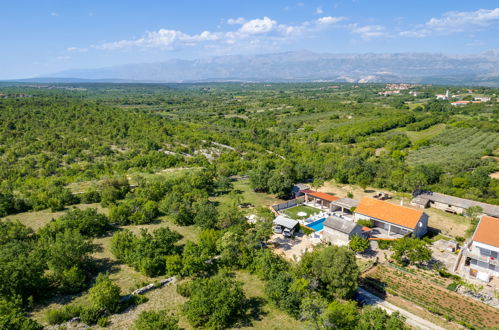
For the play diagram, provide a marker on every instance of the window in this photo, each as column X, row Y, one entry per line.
column 485, row 252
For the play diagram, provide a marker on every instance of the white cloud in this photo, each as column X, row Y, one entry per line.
column 54, row 14
column 257, row 31
column 369, row 31
column 454, row 21
column 63, row 58
column 319, row 11
column 329, row 20
column 76, row 49
column 162, row 38
column 258, row 26
column 236, row 21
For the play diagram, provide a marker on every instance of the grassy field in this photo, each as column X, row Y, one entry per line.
column 37, row 219
column 426, row 133
column 133, row 178
column 431, row 295
column 248, row 196
column 270, row 317
column 293, row 211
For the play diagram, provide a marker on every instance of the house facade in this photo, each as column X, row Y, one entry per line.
column 395, row 220
column 339, row 231
column 482, row 254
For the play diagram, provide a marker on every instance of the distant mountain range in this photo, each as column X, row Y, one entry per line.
column 433, row 68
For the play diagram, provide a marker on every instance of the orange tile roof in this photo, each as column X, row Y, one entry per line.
column 487, row 231
column 396, row 214
column 321, row 195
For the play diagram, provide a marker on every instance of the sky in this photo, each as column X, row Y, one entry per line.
column 40, row 37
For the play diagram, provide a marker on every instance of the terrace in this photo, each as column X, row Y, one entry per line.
column 381, row 233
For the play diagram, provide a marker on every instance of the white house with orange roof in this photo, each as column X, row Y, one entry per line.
column 483, row 252
column 394, row 219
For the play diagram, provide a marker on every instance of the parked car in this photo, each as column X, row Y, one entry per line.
column 288, row 232
column 278, row 229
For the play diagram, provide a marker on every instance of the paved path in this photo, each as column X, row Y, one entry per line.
column 411, row 319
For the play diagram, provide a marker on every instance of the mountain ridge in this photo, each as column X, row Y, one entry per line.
column 481, row 69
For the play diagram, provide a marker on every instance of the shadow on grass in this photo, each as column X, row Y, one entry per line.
column 253, row 311
column 374, row 286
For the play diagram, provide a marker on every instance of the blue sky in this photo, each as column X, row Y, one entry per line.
column 40, row 37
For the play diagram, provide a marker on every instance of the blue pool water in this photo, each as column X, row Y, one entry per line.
column 317, row 225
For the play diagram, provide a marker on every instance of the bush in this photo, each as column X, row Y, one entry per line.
column 63, row 314
column 215, row 302
column 365, row 222
column 102, row 322
column 13, row 317
column 384, row 245
column 152, row 320
column 91, row 315
column 453, row 286
column 105, row 294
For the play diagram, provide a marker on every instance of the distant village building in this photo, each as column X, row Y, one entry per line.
column 339, row 231
column 397, row 220
column 483, row 252
column 386, row 93
column 451, row 204
column 461, row 103
column 443, row 96
column 482, row 98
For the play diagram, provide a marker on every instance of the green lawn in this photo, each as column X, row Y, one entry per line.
column 293, row 211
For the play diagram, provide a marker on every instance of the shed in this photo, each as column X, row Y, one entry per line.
column 285, row 222
column 339, row 230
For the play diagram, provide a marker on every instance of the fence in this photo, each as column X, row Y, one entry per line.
column 288, row 204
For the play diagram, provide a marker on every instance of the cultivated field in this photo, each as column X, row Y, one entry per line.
column 454, row 145
column 432, row 295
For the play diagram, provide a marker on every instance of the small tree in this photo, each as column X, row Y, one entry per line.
column 215, row 302
column 340, row 315
column 105, row 294
column 312, row 308
column 376, row 318
column 411, row 250
column 358, row 244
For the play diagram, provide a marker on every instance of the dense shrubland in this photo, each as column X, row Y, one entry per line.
column 119, row 138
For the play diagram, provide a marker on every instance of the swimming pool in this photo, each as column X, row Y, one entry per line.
column 317, row 225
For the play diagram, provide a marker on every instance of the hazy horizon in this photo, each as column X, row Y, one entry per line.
column 50, row 37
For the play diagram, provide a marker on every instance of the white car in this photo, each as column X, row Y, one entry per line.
column 278, row 229
column 288, row 232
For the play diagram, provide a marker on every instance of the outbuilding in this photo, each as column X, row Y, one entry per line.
column 339, row 231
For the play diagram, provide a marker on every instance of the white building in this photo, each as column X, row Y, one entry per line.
column 483, row 252
column 396, row 220
column 443, row 96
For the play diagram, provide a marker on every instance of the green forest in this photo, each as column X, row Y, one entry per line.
column 150, row 154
